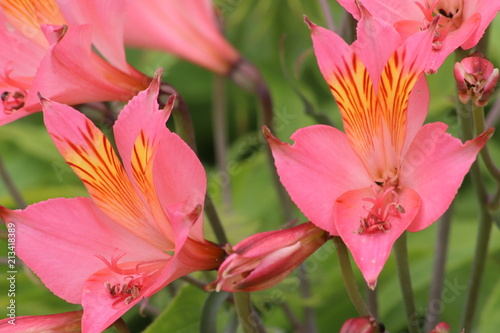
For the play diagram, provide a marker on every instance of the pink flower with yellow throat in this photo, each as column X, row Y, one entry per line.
column 140, row 229
column 386, row 173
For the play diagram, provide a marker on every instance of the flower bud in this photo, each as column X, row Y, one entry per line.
column 265, row 259
column 362, row 325
column 476, row 78
column 442, row 327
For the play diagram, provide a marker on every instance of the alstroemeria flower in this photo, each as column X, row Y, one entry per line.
column 44, row 51
column 387, row 173
column 68, row 322
column 140, row 229
column 186, row 28
column 265, row 259
column 476, row 78
column 461, row 24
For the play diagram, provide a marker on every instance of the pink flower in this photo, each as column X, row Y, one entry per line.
column 44, row 51
column 140, row 229
column 461, row 24
column 387, row 173
column 68, row 322
column 265, row 259
column 187, row 28
column 362, row 325
column 476, row 78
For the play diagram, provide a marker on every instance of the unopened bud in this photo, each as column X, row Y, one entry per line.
column 265, row 259
column 476, row 78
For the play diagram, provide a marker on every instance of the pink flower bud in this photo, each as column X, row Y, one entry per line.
column 265, row 259
column 442, row 327
column 476, row 78
column 362, row 325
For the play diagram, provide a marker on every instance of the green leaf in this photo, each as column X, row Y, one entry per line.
column 183, row 314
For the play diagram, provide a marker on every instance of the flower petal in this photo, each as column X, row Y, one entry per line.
column 60, row 239
column 68, row 322
column 434, row 167
column 93, row 159
column 107, row 19
column 101, row 309
column 71, row 73
column 186, row 28
column 370, row 250
column 316, row 170
column 180, row 181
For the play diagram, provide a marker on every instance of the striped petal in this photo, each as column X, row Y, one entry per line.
column 91, row 156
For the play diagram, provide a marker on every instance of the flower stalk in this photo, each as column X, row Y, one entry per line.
column 403, row 269
column 349, row 278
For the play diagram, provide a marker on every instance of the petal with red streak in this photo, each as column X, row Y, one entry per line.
column 91, row 156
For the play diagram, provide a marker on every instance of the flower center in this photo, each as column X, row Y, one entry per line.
column 451, row 12
column 13, row 100
column 130, row 278
column 385, row 204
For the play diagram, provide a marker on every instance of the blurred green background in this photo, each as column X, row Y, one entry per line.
column 261, row 31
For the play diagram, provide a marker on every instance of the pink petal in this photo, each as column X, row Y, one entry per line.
column 370, row 250
column 179, row 179
column 186, row 28
column 418, row 104
column 316, row 170
column 92, row 158
column 487, row 11
column 107, row 19
column 68, row 322
column 374, row 54
column 60, row 240
column 101, row 310
column 70, row 73
column 434, row 167
column 333, row 54
column 454, row 40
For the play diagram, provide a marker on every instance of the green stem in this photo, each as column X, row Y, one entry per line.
column 483, row 235
column 349, row 278
column 215, row 221
column 438, row 270
column 220, row 136
column 11, row 187
column 371, row 300
column 403, row 269
column 247, row 317
column 121, row 326
column 479, row 127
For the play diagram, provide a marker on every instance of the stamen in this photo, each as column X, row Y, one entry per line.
column 130, row 278
column 385, row 205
